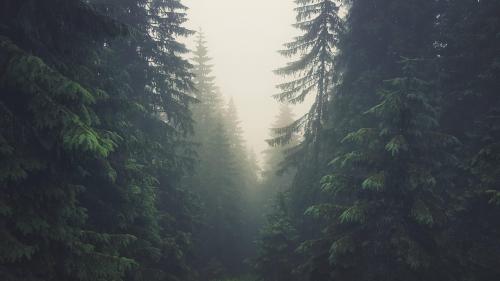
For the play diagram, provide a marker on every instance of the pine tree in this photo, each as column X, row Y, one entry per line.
column 148, row 84
column 246, row 179
column 277, row 257
column 206, row 91
column 388, row 191
column 367, row 54
column 312, row 74
column 103, row 130
column 471, row 43
column 404, row 200
column 246, row 165
column 50, row 138
column 467, row 44
column 278, row 174
column 218, row 178
column 235, row 134
column 321, row 25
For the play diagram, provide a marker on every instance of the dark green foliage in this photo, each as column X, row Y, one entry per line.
column 412, row 127
column 277, row 245
column 149, row 89
column 468, row 44
column 389, row 191
column 312, row 74
column 91, row 149
column 47, row 236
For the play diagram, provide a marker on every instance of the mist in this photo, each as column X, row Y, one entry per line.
column 243, row 39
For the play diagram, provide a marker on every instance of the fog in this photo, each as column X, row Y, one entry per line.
column 243, row 39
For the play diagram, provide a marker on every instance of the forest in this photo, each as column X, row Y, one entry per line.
column 122, row 159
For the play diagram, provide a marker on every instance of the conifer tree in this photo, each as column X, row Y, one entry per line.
column 278, row 174
column 279, row 237
column 237, row 144
column 321, row 25
column 277, row 258
column 245, row 160
column 468, row 43
column 147, row 83
column 206, row 91
column 246, row 179
column 388, row 191
column 404, row 200
column 367, row 54
column 218, row 174
column 103, row 136
column 50, row 139
column 311, row 72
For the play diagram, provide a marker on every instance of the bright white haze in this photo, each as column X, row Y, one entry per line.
column 243, row 39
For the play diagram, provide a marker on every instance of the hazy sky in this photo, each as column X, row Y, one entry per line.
column 243, row 38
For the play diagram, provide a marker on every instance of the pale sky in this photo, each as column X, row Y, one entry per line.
column 243, row 39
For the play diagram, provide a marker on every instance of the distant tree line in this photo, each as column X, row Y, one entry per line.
column 225, row 178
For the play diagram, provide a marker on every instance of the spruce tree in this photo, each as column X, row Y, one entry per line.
column 468, row 43
column 50, row 139
column 313, row 54
column 148, row 83
column 105, row 136
column 235, row 134
column 388, row 192
column 404, row 200
column 278, row 173
column 218, row 176
column 279, row 237
column 277, row 259
column 311, row 72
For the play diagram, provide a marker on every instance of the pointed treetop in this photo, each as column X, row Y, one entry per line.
column 285, row 116
column 232, row 111
column 201, row 51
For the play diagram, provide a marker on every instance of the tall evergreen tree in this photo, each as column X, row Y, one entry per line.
column 321, row 25
column 277, row 259
column 313, row 55
column 147, row 83
column 388, row 192
column 467, row 44
column 111, row 135
column 218, row 174
column 278, row 237
column 236, row 142
column 50, row 139
column 377, row 36
column 278, row 174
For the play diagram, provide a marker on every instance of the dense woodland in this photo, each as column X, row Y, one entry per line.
column 121, row 160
